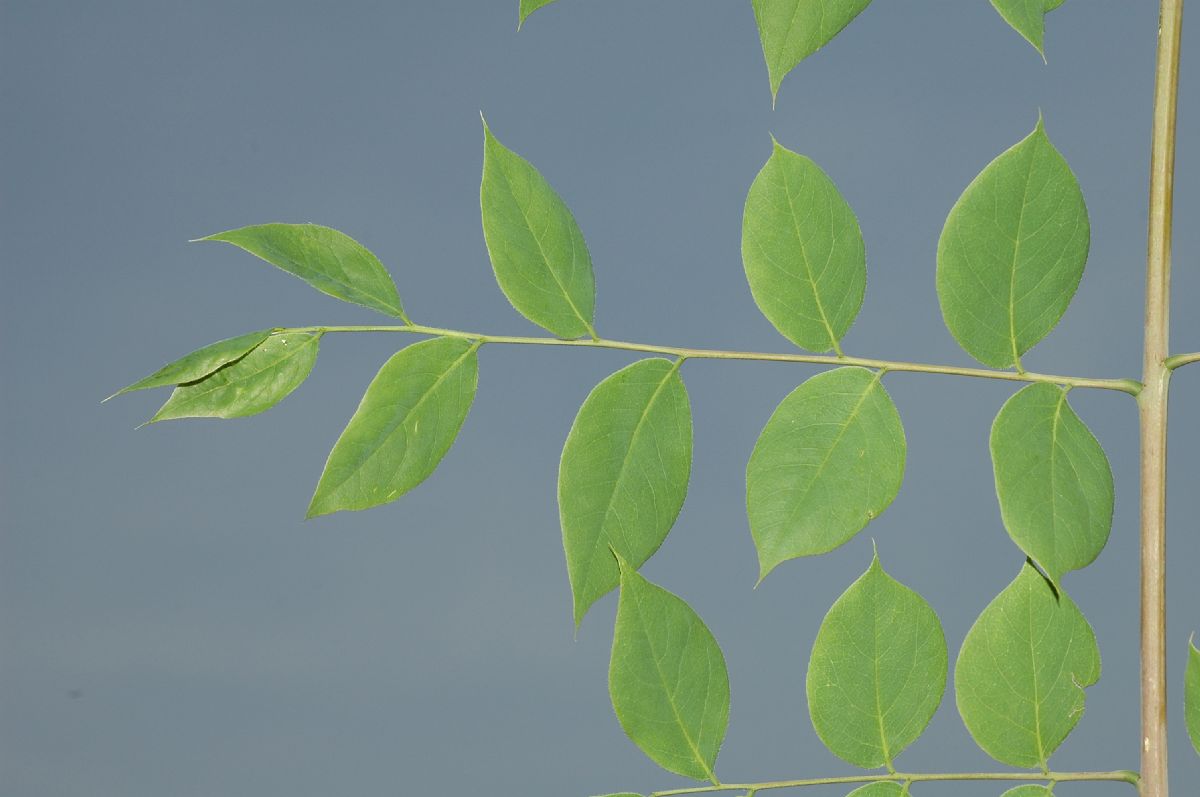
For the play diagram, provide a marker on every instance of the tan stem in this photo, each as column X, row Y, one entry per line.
column 1153, row 406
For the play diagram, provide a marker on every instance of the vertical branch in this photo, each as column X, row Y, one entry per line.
column 1153, row 407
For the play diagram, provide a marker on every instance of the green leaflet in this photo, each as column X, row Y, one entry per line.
column 877, row 670
column 1191, row 695
column 1028, row 18
column 527, row 7
column 536, row 248
column 829, row 460
column 1022, row 670
column 803, row 252
column 1012, row 252
column 330, row 261
column 1053, row 480
column 623, row 475
column 1028, row 790
column 667, row 679
column 247, row 386
column 404, row 425
column 199, row 363
column 883, row 788
column 792, row 30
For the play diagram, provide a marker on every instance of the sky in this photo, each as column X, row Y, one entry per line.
column 169, row 622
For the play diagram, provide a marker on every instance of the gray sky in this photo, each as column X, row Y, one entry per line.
column 171, row 626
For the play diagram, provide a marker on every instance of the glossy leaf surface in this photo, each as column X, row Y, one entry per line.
column 538, row 254
column 803, row 252
column 199, row 363
column 1191, row 695
column 877, row 670
column 829, row 460
column 1012, row 252
column 667, row 679
column 1028, row 17
column 404, row 425
column 1053, row 480
column 792, row 30
column 1022, row 671
column 623, row 475
column 330, row 261
column 250, row 385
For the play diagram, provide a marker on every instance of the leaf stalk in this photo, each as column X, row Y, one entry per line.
column 1115, row 776
column 1129, row 386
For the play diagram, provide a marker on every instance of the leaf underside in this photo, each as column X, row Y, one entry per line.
column 330, row 261
column 1053, row 480
column 1012, row 252
column 537, row 251
column 792, row 30
column 803, row 252
column 404, row 425
column 667, row 679
column 877, row 671
column 623, row 475
column 1028, row 790
column 247, row 386
column 829, row 460
column 1022, row 671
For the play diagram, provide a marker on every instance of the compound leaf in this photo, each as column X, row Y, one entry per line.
column 252, row 384
column 623, row 475
column 404, row 425
column 877, row 670
column 1191, row 695
column 527, row 7
column 1053, row 480
column 884, row 788
column 1012, row 252
column 829, row 460
column 1027, row 17
column 803, row 252
column 792, row 30
column 536, row 248
column 1022, row 671
column 667, row 679
column 199, row 363
column 330, row 261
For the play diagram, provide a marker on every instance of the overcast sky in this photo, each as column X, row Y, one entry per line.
column 170, row 625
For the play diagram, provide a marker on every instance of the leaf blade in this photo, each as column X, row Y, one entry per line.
column 803, row 252
column 881, row 646
column 829, row 460
column 884, row 788
column 328, row 260
column 623, row 475
column 538, row 254
column 1191, row 696
column 792, row 30
column 1019, row 708
column 383, row 452
column 199, row 363
column 1012, row 252
column 252, row 384
column 527, row 7
column 1028, row 18
column 667, row 679
column 1053, row 480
